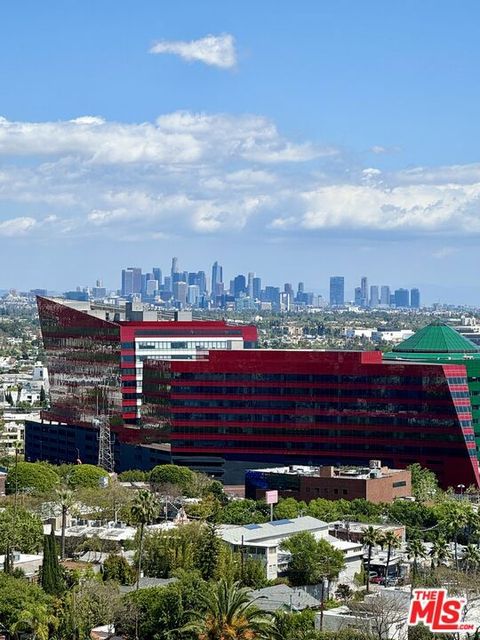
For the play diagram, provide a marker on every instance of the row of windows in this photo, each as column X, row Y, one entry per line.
column 378, row 449
column 327, row 433
column 338, row 379
column 209, row 344
column 287, row 418
column 357, row 403
column 370, row 392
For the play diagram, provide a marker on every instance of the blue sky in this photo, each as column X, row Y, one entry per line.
column 297, row 140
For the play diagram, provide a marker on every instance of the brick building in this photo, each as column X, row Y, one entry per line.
column 374, row 483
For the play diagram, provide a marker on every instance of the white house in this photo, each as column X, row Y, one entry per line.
column 263, row 541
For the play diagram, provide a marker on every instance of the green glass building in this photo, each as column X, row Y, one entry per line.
column 440, row 343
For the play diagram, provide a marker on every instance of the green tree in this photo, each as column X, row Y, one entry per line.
column 36, row 621
column 471, row 559
column 293, row 626
column 226, row 611
column 89, row 604
column 391, row 541
column 242, row 512
column 18, row 595
column 415, row 551
column 20, row 530
column 133, row 475
column 118, row 569
column 343, row 592
column 32, row 476
column 289, row 508
column 424, row 483
column 86, row 476
column 208, row 551
column 371, row 537
column 144, row 510
column 66, row 500
column 439, row 552
column 172, row 474
column 52, row 580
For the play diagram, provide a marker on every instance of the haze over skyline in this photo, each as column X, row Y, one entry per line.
column 298, row 142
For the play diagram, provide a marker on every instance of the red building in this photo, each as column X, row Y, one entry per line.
column 234, row 411
column 95, row 356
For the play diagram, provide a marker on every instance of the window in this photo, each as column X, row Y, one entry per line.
column 400, row 483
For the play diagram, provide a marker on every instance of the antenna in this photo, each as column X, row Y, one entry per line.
column 105, row 449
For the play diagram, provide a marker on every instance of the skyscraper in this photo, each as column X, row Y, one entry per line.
column 337, row 291
column 364, row 291
column 217, row 280
column 358, row 296
column 250, row 284
column 374, row 298
column 239, row 285
column 402, row 298
column 385, row 295
column 131, row 281
column 174, row 268
column 415, row 298
column 257, row 288
column 157, row 274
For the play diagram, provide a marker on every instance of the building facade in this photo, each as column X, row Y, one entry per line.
column 374, row 483
column 235, row 411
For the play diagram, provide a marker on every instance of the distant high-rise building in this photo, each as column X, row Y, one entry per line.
column 217, row 280
column 239, row 285
column 301, row 287
column 385, row 296
column 415, row 298
column 364, row 291
column 374, row 297
column 174, row 268
column 151, row 287
column 337, row 291
column 202, row 282
column 168, row 285
column 157, row 275
column 193, row 295
column 358, row 296
column 257, row 288
column 250, row 284
column 180, row 292
column 402, row 298
column 131, row 281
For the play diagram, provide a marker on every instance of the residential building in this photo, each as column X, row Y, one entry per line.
column 402, row 298
column 374, row 483
column 415, row 298
column 364, row 291
column 385, row 296
column 263, row 542
column 374, row 297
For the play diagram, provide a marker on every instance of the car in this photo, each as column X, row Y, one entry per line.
column 377, row 580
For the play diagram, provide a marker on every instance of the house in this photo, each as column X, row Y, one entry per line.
column 281, row 597
column 263, row 542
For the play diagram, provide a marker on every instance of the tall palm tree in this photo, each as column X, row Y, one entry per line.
column 143, row 511
column 65, row 499
column 370, row 538
column 226, row 612
column 390, row 540
column 439, row 552
column 35, row 621
column 415, row 552
column 471, row 558
column 456, row 522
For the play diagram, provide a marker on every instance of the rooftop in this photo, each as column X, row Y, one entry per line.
column 437, row 338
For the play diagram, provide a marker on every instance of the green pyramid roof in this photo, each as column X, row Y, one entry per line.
column 436, row 338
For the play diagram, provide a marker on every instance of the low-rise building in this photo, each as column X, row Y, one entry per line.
column 263, row 542
column 374, row 483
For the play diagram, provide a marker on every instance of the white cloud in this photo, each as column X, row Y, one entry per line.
column 17, row 226
column 197, row 173
column 216, row 51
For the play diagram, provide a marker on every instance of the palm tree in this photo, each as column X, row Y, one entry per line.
column 415, row 551
column 390, row 540
column 66, row 500
column 35, row 621
column 226, row 612
column 143, row 511
column 455, row 522
column 440, row 551
column 471, row 558
column 370, row 538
